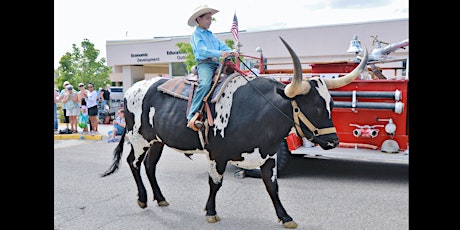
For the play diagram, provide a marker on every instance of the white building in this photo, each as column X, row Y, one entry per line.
column 135, row 60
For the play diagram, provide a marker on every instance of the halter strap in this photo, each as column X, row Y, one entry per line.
column 299, row 115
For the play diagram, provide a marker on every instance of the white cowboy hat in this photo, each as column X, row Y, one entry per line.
column 199, row 11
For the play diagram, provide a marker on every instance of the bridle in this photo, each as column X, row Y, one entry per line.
column 297, row 114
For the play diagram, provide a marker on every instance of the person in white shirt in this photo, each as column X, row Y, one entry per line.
column 91, row 103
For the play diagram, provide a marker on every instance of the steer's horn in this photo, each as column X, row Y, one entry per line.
column 347, row 79
column 297, row 86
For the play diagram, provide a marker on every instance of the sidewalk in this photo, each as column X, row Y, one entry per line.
column 103, row 129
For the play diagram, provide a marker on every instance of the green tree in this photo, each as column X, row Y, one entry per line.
column 186, row 48
column 81, row 65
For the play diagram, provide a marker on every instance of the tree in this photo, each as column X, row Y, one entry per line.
column 185, row 47
column 81, row 65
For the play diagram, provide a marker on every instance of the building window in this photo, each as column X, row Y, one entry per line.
column 178, row 69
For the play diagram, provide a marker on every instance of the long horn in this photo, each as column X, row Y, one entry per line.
column 347, row 79
column 297, row 86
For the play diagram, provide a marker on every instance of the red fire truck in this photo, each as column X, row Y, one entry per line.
column 370, row 114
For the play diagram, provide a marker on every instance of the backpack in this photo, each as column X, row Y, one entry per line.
column 65, row 131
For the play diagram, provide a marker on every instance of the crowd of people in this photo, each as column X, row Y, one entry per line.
column 80, row 110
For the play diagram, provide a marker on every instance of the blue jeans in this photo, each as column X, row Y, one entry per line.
column 119, row 129
column 55, row 117
column 103, row 103
column 205, row 74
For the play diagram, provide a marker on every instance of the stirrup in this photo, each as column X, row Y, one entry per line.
column 195, row 123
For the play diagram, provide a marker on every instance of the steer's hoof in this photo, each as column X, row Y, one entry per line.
column 142, row 204
column 290, row 224
column 212, row 219
column 163, row 203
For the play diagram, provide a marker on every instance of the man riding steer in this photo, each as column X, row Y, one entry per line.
column 207, row 49
column 251, row 116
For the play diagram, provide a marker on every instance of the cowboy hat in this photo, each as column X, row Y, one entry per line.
column 203, row 9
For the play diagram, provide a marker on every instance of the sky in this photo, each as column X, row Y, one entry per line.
column 109, row 20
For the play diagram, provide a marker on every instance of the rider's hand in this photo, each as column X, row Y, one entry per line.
column 225, row 54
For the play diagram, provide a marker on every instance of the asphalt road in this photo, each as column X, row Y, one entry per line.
column 318, row 194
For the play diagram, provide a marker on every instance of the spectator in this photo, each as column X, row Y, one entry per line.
column 56, row 99
column 64, row 109
column 82, row 95
column 105, row 97
column 207, row 49
column 118, row 126
column 91, row 103
column 71, row 100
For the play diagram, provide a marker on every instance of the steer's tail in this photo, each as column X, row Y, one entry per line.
column 117, row 153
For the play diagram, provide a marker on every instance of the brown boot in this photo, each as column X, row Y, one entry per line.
column 195, row 123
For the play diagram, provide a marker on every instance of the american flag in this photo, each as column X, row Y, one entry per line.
column 234, row 28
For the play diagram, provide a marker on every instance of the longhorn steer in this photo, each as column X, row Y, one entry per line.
column 246, row 132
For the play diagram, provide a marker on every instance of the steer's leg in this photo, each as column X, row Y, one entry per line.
column 151, row 160
column 135, row 170
column 268, row 171
column 216, row 173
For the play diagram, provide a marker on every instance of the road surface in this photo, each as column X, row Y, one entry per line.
column 317, row 193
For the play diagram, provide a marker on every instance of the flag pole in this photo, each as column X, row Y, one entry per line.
column 234, row 30
column 238, row 45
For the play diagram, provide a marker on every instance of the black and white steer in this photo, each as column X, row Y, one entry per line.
column 251, row 117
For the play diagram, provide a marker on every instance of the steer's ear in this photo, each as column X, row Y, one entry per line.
column 281, row 93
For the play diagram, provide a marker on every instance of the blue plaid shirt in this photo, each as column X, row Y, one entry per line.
column 205, row 44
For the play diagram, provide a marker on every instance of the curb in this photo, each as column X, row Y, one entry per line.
column 77, row 136
column 102, row 128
